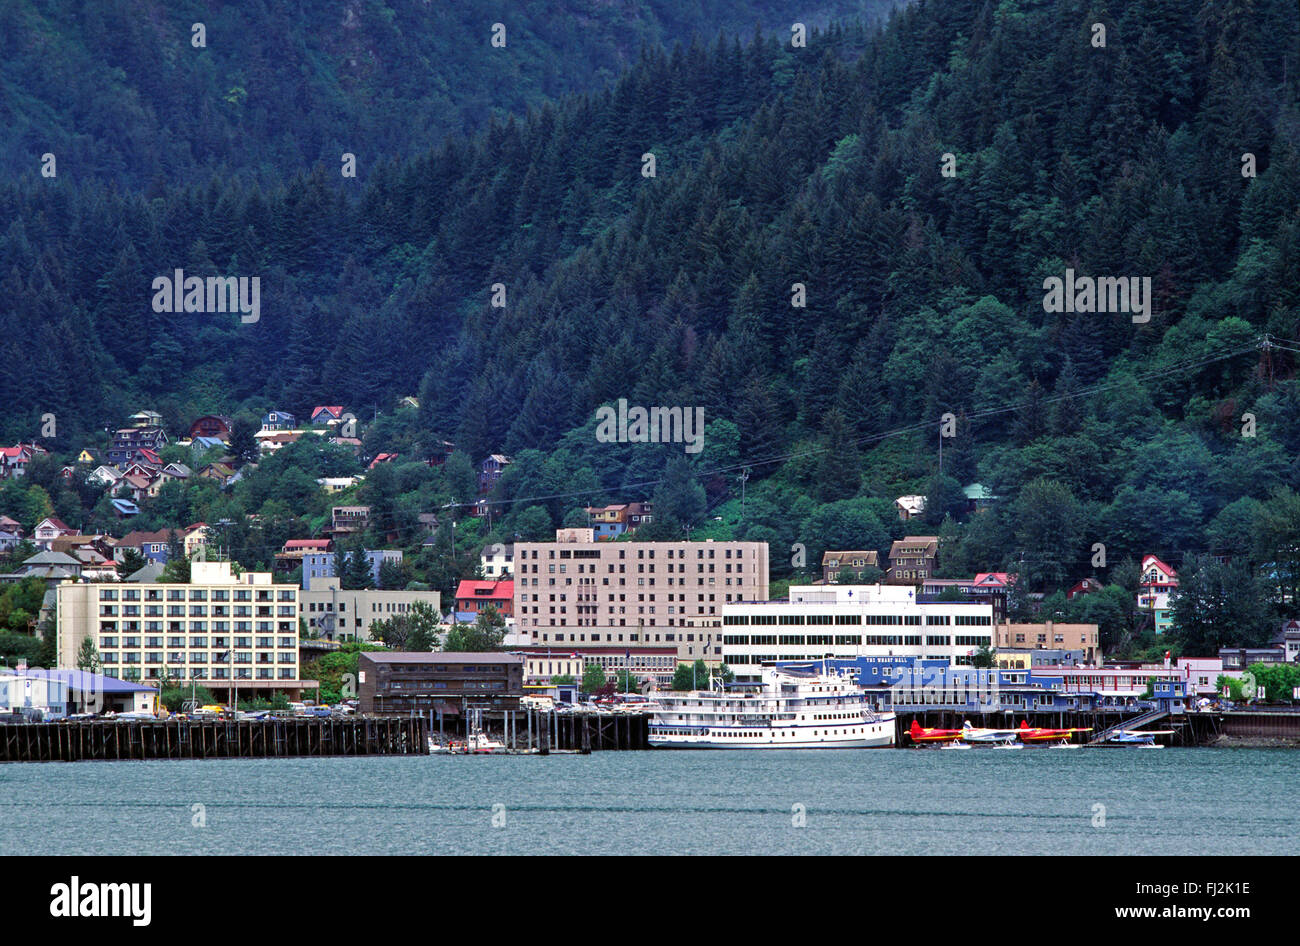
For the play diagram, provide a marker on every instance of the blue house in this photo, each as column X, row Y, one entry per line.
column 199, row 444
column 1170, row 695
column 320, row 565
column 279, row 420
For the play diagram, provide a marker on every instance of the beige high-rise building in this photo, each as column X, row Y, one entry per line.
column 634, row 594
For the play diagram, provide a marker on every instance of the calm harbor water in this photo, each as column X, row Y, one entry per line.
column 982, row 801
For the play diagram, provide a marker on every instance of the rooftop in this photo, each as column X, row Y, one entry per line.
column 442, row 657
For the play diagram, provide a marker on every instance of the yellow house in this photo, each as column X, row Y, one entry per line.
column 85, row 456
column 1013, row 660
column 196, row 537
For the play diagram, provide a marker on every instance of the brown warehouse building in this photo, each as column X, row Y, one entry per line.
column 401, row 683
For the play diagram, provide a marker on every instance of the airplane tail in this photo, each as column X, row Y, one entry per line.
column 966, row 725
column 916, row 728
column 1024, row 724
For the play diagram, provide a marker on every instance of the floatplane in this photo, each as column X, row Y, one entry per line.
column 1058, row 738
column 1002, row 738
column 933, row 737
column 1138, row 738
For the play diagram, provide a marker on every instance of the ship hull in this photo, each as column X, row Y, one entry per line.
column 878, row 735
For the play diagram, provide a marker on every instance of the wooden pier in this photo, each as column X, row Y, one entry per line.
column 588, row 732
column 528, row 730
column 85, row 740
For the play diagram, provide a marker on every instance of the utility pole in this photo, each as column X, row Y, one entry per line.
column 743, row 476
column 225, row 535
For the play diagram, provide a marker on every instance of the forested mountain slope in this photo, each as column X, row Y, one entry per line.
column 774, row 166
column 120, row 91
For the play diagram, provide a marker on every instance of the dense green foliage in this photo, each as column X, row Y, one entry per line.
column 483, row 636
column 775, row 166
column 336, row 672
column 700, row 676
column 117, row 90
column 1276, row 681
column 415, row 630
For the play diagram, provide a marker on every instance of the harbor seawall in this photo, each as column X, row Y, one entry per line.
column 211, row 739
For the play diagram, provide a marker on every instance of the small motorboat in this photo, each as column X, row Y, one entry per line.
column 476, row 744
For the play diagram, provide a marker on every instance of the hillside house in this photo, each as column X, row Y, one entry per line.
column 912, row 560
column 216, row 426
column 854, row 561
column 1155, row 588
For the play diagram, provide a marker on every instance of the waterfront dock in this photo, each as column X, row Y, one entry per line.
column 531, row 731
column 546, row 732
column 1236, row 727
column 84, row 740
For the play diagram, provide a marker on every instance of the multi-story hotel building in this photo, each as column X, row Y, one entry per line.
column 851, row 621
column 221, row 629
column 634, row 594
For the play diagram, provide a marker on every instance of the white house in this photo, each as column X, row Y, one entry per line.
column 497, row 560
column 49, row 529
column 909, row 507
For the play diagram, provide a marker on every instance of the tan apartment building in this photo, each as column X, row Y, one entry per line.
column 634, row 594
column 1049, row 636
column 336, row 614
column 222, row 630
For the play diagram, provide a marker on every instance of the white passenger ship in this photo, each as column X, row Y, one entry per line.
column 788, row 709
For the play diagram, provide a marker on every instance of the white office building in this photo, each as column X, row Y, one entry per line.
column 849, row 621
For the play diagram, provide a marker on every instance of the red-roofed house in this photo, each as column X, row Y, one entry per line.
column 211, row 425
column 1084, row 586
column 326, row 415
column 473, row 595
column 291, row 556
column 49, row 529
column 14, row 460
column 381, row 458
column 1157, row 584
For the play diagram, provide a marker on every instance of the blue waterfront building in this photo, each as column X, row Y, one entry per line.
column 909, row 683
